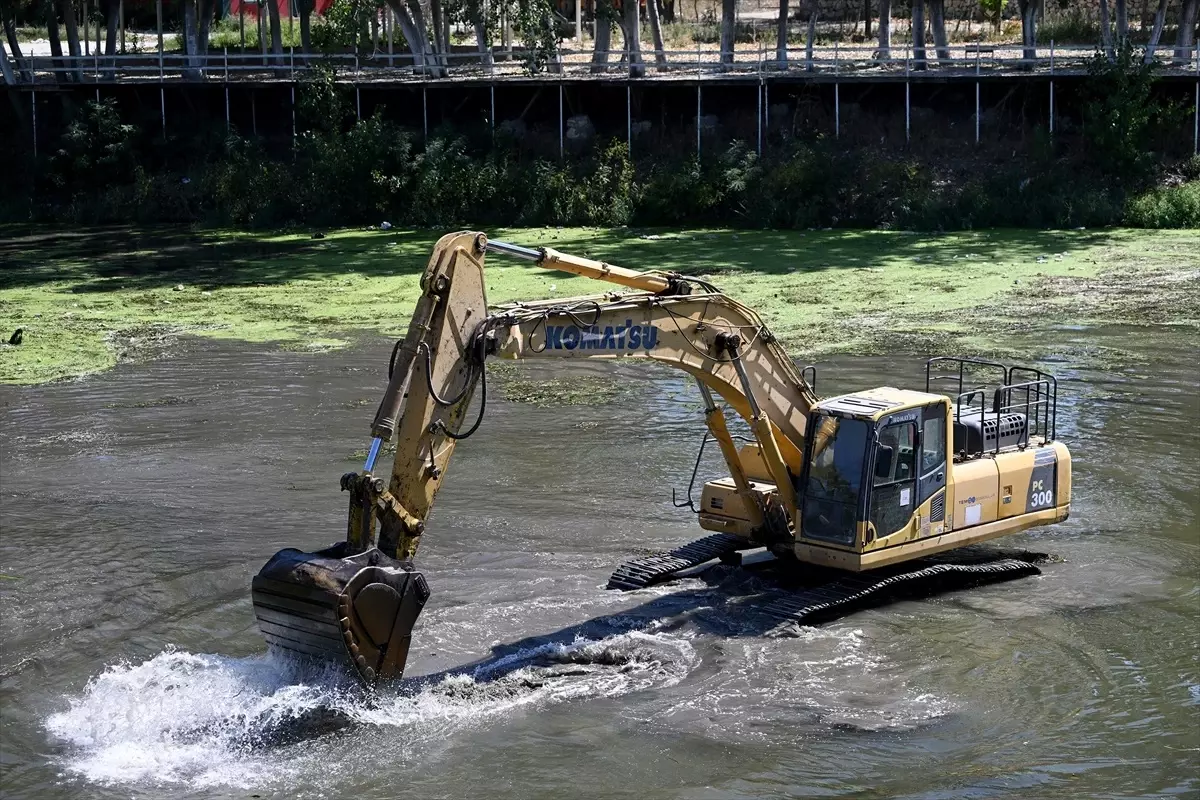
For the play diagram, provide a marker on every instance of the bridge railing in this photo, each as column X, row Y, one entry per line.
column 824, row 62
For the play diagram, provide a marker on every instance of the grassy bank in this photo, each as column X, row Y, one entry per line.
column 90, row 298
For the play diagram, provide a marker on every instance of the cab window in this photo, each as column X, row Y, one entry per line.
column 895, row 459
column 933, row 439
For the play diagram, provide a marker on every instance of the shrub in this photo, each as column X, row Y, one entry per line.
column 1168, row 207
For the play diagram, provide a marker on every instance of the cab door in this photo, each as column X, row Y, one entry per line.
column 933, row 451
column 894, row 477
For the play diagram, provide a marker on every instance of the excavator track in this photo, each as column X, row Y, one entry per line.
column 854, row 590
column 658, row 567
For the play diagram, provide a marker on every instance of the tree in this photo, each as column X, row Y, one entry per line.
column 1029, row 13
column 918, row 33
column 1106, row 30
column 68, row 14
column 728, row 30
column 1185, row 40
column 604, row 16
column 14, row 44
column 660, row 56
column 306, row 7
column 781, row 36
column 937, row 21
column 276, row 31
column 55, row 42
column 885, row 30
column 810, row 36
column 1160, row 19
column 632, row 34
column 197, row 16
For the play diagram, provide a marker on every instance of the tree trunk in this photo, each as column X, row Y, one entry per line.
column 866, row 19
column 55, row 42
column 810, row 36
column 885, row 30
column 1122, row 21
column 6, row 70
column 602, row 44
column 306, row 7
column 69, row 22
column 276, row 31
column 781, row 36
column 414, row 36
column 190, row 35
column 205, row 10
column 630, row 27
column 1029, row 11
column 14, row 44
column 1160, row 19
column 485, row 46
column 728, row 30
column 1185, row 40
column 660, row 55
column 918, row 34
column 937, row 21
column 1106, row 30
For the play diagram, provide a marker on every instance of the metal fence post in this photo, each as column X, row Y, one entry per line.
column 837, row 106
column 33, row 102
column 1051, row 87
column 425, row 110
column 628, row 117
column 561, row 123
column 227, row 124
column 162, row 95
column 493, row 115
column 293, row 118
column 977, row 109
column 1196, row 117
column 907, row 99
column 760, row 114
column 697, row 115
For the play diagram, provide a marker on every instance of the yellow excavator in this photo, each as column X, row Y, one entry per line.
column 862, row 491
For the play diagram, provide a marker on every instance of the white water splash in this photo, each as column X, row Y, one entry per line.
column 208, row 720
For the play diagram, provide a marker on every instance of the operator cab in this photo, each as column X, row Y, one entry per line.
column 873, row 459
column 889, row 473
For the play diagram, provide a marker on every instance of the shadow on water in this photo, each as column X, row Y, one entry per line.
column 727, row 605
column 127, row 257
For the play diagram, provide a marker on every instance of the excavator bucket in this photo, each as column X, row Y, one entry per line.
column 334, row 606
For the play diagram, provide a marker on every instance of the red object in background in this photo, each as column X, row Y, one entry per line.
column 234, row 7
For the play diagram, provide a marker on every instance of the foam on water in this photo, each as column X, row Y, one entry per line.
column 207, row 720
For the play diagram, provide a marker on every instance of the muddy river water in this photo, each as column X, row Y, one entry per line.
column 136, row 505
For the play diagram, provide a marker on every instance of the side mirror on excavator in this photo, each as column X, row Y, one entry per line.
column 883, row 461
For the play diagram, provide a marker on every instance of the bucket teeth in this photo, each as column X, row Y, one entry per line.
column 330, row 606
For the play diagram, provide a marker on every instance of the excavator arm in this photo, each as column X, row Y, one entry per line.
column 359, row 599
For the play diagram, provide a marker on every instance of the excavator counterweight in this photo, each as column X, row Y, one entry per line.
column 862, row 492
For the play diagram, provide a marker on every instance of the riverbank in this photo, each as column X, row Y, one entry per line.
column 90, row 298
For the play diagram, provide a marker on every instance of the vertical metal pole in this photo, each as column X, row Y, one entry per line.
column 425, row 110
column 628, row 119
column 1196, row 117
column 158, row 12
column 357, row 104
column 389, row 19
column 977, row 110
column 907, row 97
column 760, row 107
column 33, row 102
column 837, row 105
column 1051, row 87
column 837, row 111
column 561, row 122
column 697, row 117
column 121, row 14
column 492, row 117
column 293, row 117
column 162, row 100
column 227, row 123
